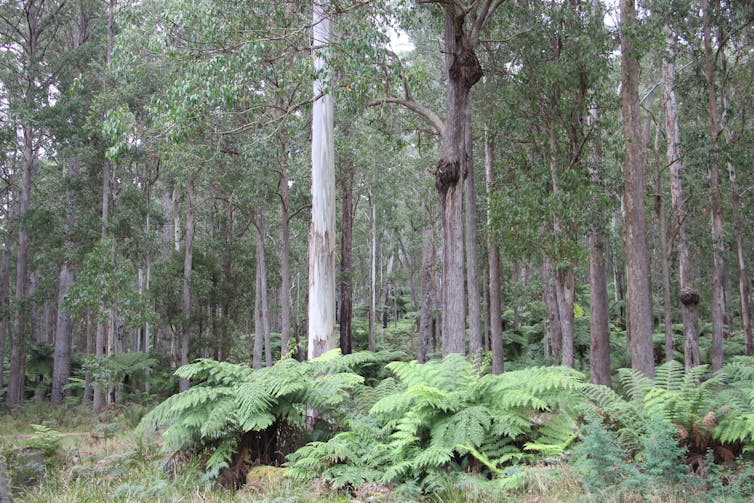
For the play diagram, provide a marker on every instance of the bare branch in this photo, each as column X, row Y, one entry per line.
column 426, row 113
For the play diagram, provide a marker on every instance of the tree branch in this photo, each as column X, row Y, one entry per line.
column 427, row 114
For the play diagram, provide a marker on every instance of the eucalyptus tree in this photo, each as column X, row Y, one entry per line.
column 639, row 312
column 29, row 30
column 689, row 294
column 553, row 78
column 463, row 25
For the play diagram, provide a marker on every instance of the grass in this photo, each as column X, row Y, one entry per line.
column 85, row 465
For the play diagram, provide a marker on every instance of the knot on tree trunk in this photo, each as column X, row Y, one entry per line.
column 447, row 173
column 689, row 297
column 466, row 68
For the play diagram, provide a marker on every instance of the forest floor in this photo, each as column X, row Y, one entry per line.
column 66, row 454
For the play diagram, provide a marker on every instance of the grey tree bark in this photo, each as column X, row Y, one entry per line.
column 462, row 26
column 261, row 310
column 427, row 293
column 665, row 249
column 599, row 329
column 689, row 296
column 285, row 253
column 718, row 271
column 493, row 259
column 372, row 272
column 188, row 259
column 639, row 313
column 550, row 298
column 471, row 248
column 61, row 368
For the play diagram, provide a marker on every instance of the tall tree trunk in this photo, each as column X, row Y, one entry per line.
column 263, row 328
column 743, row 275
column 717, row 308
column 258, row 347
column 639, row 313
column 346, row 274
column 550, row 298
column 5, row 297
column 322, row 245
column 689, row 295
column 565, row 287
column 564, row 280
column 285, row 253
column 463, row 71
column 62, row 354
column 373, row 273
column 16, row 372
column 187, row 268
column 493, row 259
column 427, row 292
column 599, row 329
column 665, row 250
column 471, row 247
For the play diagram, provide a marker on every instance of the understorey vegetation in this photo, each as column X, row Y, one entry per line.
column 414, row 430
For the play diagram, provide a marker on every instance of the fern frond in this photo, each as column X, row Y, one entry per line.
column 433, row 456
column 635, row 383
column 221, row 457
column 669, row 375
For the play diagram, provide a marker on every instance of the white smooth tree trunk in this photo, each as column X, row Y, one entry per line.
column 322, row 243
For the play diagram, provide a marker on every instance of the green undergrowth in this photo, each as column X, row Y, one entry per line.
column 372, row 427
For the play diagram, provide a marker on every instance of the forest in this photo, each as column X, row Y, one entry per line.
column 376, row 250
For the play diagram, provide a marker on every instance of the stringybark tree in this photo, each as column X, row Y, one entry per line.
column 718, row 270
column 689, row 296
column 639, row 313
column 493, row 259
column 463, row 24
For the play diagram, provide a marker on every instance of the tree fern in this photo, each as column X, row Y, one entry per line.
column 231, row 404
column 444, row 416
column 701, row 406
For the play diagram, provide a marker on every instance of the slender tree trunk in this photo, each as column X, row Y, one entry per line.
column 599, row 329
column 553, row 313
column 322, row 234
column 5, row 298
column 258, row 347
column 373, row 274
column 264, row 312
column 743, row 275
column 717, row 308
column 566, row 290
column 346, row 248
column 16, row 373
column 285, row 268
column 493, row 258
column 187, row 268
column 689, row 295
column 639, row 314
column 665, row 250
column 427, row 293
column 471, row 247
column 63, row 333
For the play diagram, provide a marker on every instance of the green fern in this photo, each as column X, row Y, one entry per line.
column 444, row 416
column 227, row 403
column 701, row 406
